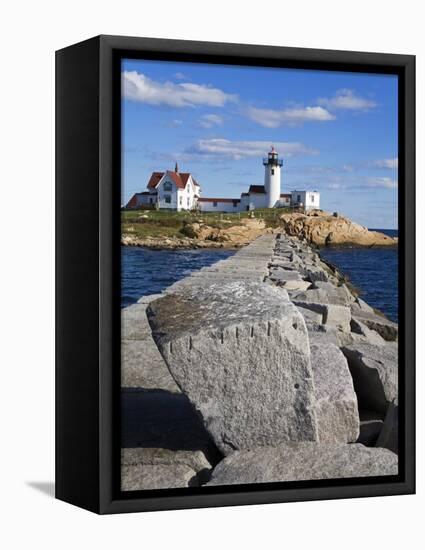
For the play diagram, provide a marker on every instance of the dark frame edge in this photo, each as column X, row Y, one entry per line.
column 409, row 249
column 77, row 232
column 106, row 502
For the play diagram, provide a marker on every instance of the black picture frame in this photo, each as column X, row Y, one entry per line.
column 88, row 178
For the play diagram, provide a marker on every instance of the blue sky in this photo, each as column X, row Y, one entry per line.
column 336, row 132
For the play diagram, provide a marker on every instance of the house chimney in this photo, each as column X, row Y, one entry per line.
column 176, row 169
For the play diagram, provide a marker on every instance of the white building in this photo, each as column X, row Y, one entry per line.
column 307, row 200
column 171, row 190
column 180, row 191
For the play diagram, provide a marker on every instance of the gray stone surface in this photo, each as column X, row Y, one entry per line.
column 134, row 323
column 141, row 477
column 327, row 314
column 309, row 314
column 240, row 352
column 336, row 402
column 315, row 273
column 360, row 304
column 371, row 423
column 388, row 436
column 318, row 333
column 304, row 461
column 279, row 274
column 367, row 335
column 142, row 366
column 295, row 285
column 338, row 316
column 383, row 326
column 146, row 468
column 335, row 295
column 375, row 374
column 158, row 419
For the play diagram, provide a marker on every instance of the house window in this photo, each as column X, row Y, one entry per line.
column 167, row 199
column 181, row 201
column 235, row 203
column 168, row 186
column 298, row 198
column 272, row 171
column 150, row 200
column 188, row 201
column 312, row 198
column 214, row 204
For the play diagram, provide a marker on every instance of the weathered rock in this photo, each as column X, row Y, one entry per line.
column 336, row 402
column 327, row 314
column 375, row 374
column 368, row 336
column 338, row 316
column 371, row 423
column 141, row 477
column 383, row 326
column 142, row 366
column 315, row 274
column 333, row 230
column 321, row 334
column 146, row 468
column 134, row 323
column 295, row 285
column 335, row 295
column 240, row 352
column 162, row 420
column 148, row 299
column 388, row 436
column 279, row 274
column 362, row 305
column 304, row 461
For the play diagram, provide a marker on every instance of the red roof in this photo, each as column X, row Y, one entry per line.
column 153, row 182
column 179, row 178
column 204, row 199
column 287, row 195
column 133, row 202
column 256, row 189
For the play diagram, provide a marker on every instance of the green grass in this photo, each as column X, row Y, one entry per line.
column 161, row 223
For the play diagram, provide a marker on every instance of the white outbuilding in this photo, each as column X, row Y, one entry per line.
column 174, row 190
column 306, row 200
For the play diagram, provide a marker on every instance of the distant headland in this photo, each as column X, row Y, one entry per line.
column 169, row 230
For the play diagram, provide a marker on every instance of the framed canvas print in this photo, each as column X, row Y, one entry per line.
column 235, row 274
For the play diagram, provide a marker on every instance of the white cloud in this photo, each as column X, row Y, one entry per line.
column 271, row 118
column 138, row 87
column 347, row 100
column 387, row 183
column 237, row 150
column 180, row 76
column 208, row 121
column 386, row 163
column 176, row 122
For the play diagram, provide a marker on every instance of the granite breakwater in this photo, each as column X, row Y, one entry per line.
column 262, row 367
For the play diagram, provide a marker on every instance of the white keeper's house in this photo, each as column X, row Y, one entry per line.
column 174, row 190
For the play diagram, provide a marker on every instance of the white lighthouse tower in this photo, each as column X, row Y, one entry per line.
column 272, row 166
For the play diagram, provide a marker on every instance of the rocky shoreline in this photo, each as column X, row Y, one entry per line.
column 318, row 228
column 262, row 367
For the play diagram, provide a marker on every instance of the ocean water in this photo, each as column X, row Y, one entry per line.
column 145, row 271
column 373, row 271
